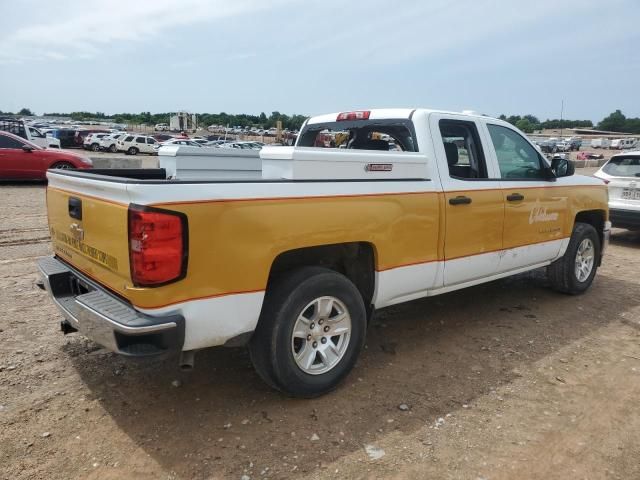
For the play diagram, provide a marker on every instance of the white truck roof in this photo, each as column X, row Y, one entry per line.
column 387, row 114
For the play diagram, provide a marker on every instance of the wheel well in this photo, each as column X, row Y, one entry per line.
column 595, row 218
column 355, row 260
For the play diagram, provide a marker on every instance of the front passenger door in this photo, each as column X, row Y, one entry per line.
column 535, row 210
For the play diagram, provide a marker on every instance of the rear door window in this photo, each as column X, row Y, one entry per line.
column 382, row 135
column 463, row 149
column 623, row 167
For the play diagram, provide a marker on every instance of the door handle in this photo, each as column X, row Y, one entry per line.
column 515, row 197
column 460, row 200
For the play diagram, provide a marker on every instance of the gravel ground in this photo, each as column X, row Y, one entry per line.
column 504, row 380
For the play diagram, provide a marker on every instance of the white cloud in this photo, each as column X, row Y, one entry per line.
column 83, row 28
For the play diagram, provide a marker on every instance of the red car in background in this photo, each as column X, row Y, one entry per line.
column 23, row 160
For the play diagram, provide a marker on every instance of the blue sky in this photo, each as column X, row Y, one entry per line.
column 311, row 56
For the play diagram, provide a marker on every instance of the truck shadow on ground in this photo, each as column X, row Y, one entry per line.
column 433, row 355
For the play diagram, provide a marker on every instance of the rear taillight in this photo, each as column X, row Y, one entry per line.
column 158, row 246
column 357, row 115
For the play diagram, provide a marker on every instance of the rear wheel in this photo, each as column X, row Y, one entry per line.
column 95, row 147
column 311, row 330
column 574, row 272
column 132, row 151
column 113, row 148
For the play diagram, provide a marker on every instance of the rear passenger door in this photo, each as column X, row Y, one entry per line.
column 535, row 210
column 473, row 204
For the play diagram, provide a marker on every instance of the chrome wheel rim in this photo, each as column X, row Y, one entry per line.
column 585, row 259
column 321, row 335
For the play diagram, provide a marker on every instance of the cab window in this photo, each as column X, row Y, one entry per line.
column 386, row 135
column 517, row 158
column 463, row 149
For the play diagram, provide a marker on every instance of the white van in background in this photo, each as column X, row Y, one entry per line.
column 600, row 143
column 624, row 143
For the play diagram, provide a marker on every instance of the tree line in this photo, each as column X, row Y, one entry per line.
column 615, row 122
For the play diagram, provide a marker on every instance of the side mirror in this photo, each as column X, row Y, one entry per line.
column 562, row 167
column 27, row 148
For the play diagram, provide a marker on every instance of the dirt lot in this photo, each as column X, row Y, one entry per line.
column 505, row 380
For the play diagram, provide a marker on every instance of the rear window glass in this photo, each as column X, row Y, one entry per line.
column 623, row 167
column 386, row 135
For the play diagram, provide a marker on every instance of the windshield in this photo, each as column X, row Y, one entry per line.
column 623, row 167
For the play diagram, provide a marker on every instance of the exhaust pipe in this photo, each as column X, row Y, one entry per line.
column 186, row 360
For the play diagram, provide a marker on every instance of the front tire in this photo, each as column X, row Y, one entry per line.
column 311, row 330
column 575, row 271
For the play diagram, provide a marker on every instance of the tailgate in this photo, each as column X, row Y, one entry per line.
column 88, row 227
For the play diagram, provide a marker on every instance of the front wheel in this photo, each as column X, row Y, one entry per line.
column 574, row 272
column 311, row 330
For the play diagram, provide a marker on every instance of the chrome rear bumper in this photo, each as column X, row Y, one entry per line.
column 104, row 318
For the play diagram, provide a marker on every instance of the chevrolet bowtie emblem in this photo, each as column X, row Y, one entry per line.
column 76, row 231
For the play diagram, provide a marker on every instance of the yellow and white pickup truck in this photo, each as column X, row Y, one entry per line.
column 368, row 209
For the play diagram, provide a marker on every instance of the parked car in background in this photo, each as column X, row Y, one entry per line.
column 92, row 141
column 81, row 134
column 21, row 159
column 563, row 146
column 575, row 142
column 135, row 144
column 622, row 176
column 161, row 127
column 28, row 132
column 177, row 141
column 66, row 136
column 600, row 143
column 589, row 156
column 162, row 137
column 108, row 143
column 547, row 145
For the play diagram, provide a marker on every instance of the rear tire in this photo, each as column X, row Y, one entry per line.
column 132, row 151
column 95, row 147
column 574, row 272
column 113, row 149
column 293, row 348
